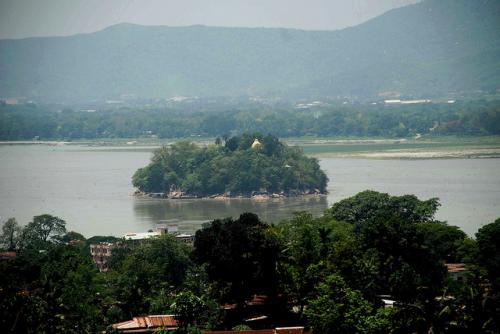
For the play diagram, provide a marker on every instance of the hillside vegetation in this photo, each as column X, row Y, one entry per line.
column 243, row 166
column 427, row 49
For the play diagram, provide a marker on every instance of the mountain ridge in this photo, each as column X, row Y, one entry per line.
column 428, row 48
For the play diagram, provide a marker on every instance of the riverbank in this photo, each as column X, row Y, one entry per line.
column 34, row 142
column 449, row 147
column 422, row 148
column 255, row 195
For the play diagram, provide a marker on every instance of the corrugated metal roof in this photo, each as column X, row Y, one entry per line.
column 125, row 325
column 150, row 321
column 161, row 320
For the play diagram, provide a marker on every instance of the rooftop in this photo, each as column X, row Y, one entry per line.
column 7, row 255
column 140, row 235
column 146, row 323
column 455, row 267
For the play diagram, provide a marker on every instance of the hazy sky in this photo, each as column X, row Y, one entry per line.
column 26, row 18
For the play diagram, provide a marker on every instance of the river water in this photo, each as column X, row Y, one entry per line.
column 90, row 187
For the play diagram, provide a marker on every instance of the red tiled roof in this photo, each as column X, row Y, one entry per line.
column 8, row 254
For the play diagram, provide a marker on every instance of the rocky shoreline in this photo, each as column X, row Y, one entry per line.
column 257, row 195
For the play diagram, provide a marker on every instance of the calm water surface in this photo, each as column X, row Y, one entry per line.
column 90, row 188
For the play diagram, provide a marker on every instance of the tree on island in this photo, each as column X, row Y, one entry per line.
column 243, row 165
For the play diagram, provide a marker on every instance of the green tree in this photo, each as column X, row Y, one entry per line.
column 42, row 231
column 10, row 237
column 240, row 257
column 57, row 291
column 301, row 267
column 372, row 205
column 72, row 236
column 336, row 308
column 147, row 273
column 444, row 240
column 396, row 254
column 187, row 308
column 488, row 243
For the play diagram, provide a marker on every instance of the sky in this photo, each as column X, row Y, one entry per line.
column 28, row 18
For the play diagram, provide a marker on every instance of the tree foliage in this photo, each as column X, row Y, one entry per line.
column 336, row 308
column 371, row 205
column 236, row 168
column 240, row 257
column 25, row 122
column 488, row 242
column 11, row 235
column 145, row 275
column 333, row 274
column 52, row 292
column 42, row 231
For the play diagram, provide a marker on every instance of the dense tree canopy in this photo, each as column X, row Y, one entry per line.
column 371, row 205
column 488, row 242
column 25, row 122
column 331, row 273
column 142, row 276
column 240, row 255
column 50, row 287
column 236, row 167
column 336, row 308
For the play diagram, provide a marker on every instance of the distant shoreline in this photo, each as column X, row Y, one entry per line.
column 344, row 148
column 32, row 142
column 428, row 154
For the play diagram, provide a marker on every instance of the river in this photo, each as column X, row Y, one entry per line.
column 90, row 188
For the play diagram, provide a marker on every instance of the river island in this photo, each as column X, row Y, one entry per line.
column 248, row 165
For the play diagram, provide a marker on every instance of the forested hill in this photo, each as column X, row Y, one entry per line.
column 243, row 165
column 426, row 49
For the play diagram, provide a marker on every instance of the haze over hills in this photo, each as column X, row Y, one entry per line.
column 428, row 49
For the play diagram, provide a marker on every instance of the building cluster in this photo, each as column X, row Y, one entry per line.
column 101, row 252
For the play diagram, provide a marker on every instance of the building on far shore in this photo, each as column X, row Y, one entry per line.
column 188, row 239
column 141, row 235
